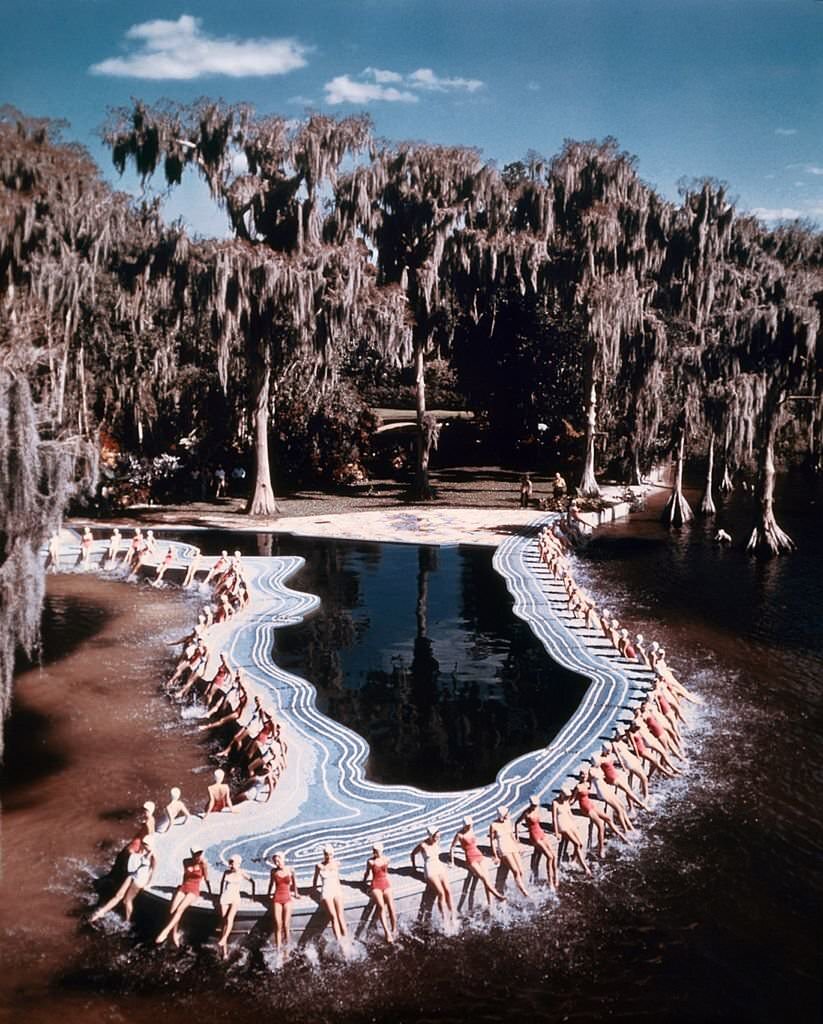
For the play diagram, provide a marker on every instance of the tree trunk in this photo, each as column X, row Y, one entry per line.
column 707, row 504
column 677, row 511
column 262, row 501
column 588, row 482
column 421, row 489
column 726, row 485
column 767, row 538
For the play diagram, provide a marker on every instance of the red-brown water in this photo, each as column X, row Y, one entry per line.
column 714, row 916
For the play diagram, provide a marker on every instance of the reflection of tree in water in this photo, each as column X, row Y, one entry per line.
column 436, row 727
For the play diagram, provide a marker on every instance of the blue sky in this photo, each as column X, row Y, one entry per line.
column 727, row 88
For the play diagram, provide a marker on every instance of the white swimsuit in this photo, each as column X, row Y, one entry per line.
column 330, row 882
column 432, row 865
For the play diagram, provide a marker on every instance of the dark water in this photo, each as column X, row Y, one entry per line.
column 714, row 916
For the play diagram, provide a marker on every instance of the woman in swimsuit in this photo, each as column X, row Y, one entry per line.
column 86, row 543
column 565, row 826
column 219, row 794
column 113, row 549
column 505, row 847
column 378, row 867
column 649, row 747
column 148, row 825
column 195, row 873
column 475, row 861
column 219, row 566
column 623, row 749
column 237, row 709
column 617, row 778
column 53, row 555
column 539, row 840
column 605, row 792
column 140, row 867
column 435, row 876
column 194, row 565
column 327, row 881
column 168, row 558
column 582, row 795
column 175, row 809
column 283, row 889
column 231, row 884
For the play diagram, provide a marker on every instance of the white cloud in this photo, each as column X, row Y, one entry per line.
column 382, row 76
column 785, row 131
column 344, row 89
column 812, row 169
column 381, row 84
column 425, row 78
column 181, row 50
column 533, row 86
column 772, row 214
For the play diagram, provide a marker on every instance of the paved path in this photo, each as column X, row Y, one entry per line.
column 324, row 795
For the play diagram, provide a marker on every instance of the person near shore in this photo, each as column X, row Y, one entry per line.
column 113, row 549
column 54, row 552
column 193, row 568
column 327, row 883
column 475, row 861
column 505, row 848
column 164, row 564
column 526, row 490
column 617, row 778
column 608, row 795
column 237, row 698
column 558, row 487
column 219, row 795
column 631, row 762
column 84, row 555
column 434, row 873
column 539, row 840
column 565, row 826
column 282, row 890
column 175, row 810
column 377, row 867
column 135, row 546
column 140, row 869
column 219, row 567
column 231, row 885
column 195, row 875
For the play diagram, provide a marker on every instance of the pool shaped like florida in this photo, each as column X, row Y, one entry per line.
column 417, row 649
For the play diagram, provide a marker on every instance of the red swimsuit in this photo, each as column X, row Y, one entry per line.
column 609, row 772
column 536, row 833
column 380, row 877
column 585, row 802
column 192, row 878
column 469, row 844
column 282, row 886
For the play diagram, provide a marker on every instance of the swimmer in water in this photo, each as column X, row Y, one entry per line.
column 327, row 882
column 195, row 873
column 539, row 840
column 231, row 885
column 475, row 861
column 505, row 848
column 377, row 868
column 282, row 890
column 194, row 566
column 435, row 876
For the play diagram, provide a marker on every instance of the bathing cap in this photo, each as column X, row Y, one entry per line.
column 196, row 853
column 148, row 842
column 219, row 774
column 615, row 623
column 149, row 806
column 377, row 847
column 502, row 811
column 639, row 638
column 566, row 789
column 534, row 799
column 329, row 851
column 237, row 554
column 236, row 859
column 280, row 854
column 468, row 820
column 174, row 792
column 432, row 831
column 624, row 632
